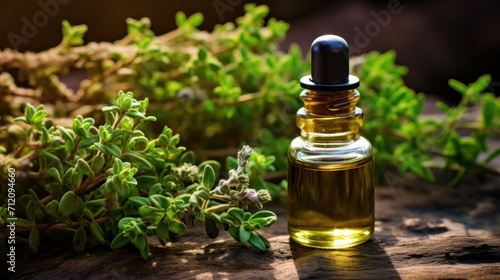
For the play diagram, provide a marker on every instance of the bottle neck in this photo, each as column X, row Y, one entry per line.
column 329, row 118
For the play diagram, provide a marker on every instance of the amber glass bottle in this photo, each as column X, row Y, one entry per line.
column 330, row 167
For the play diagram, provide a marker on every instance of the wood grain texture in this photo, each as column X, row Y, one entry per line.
column 423, row 231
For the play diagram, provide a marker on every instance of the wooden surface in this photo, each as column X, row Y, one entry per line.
column 423, row 231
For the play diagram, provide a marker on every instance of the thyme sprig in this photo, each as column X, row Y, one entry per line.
column 114, row 183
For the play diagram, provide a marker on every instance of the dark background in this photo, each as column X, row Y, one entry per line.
column 437, row 40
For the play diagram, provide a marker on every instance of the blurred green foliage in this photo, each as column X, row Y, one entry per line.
column 410, row 142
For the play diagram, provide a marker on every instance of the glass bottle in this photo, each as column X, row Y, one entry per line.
column 330, row 167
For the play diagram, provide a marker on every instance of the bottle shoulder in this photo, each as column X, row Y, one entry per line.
column 303, row 152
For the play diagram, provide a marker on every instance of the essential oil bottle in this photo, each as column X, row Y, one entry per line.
column 330, row 167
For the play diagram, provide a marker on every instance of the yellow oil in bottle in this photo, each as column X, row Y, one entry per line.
column 330, row 166
column 331, row 206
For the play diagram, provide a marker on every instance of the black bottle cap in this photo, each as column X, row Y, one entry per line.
column 329, row 65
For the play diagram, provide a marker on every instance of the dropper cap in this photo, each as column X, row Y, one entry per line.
column 329, row 65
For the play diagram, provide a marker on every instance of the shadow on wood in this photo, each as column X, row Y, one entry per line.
column 365, row 261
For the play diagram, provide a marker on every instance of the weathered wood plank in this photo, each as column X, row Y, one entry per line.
column 423, row 231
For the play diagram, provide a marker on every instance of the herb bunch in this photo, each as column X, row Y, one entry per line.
column 195, row 80
column 410, row 142
column 117, row 185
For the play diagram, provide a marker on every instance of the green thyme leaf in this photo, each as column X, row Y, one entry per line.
column 97, row 233
column 208, row 177
column 160, row 201
column 83, row 167
column 244, row 236
column 211, row 227
column 119, row 241
column 79, row 239
column 257, row 242
column 177, row 226
column 34, row 240
column 237, row 214
column 68, row 203
column 162, row 228
column 141, row 201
